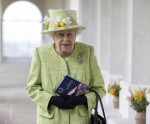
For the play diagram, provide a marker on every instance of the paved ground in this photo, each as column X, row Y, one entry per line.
column 15, row 106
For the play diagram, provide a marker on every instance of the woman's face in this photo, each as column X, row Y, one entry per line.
column 64, row 41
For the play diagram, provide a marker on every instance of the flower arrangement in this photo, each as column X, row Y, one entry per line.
column 138, row 99
column 59, row 22
column 114, row 88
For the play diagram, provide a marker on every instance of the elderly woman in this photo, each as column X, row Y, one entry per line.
column 52, row 61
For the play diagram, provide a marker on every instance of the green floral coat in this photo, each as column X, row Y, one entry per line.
column 47, row 70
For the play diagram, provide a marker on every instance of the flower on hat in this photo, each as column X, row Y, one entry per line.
column 57, row 23
column 67, row 21
column 46, row 22
column 61, row 22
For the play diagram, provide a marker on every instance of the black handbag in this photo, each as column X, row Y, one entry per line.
column 95, row 117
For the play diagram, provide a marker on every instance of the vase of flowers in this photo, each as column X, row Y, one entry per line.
column 138, row 102
column 113, row 89
column 116, row 102
column 140, row 118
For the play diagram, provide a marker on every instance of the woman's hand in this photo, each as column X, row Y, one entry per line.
column 78, row 100
column 61, row 102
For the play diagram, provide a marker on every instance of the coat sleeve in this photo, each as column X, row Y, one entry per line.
column 96, row 81
column 34, row 86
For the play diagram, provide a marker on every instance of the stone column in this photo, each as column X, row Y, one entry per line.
column 148, row 110
column 104, row 34
column 128, row 22
column 117, row 38
column 0, row 31
column 89, row 16
column 137, row 42
column 97, row 43
column 141, row 42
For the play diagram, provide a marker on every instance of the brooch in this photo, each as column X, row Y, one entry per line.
column 80, row 58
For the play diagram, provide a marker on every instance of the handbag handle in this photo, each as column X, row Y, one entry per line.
column 96, row 107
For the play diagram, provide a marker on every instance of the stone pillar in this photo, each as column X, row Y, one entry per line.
column 148, row 110
column 117, row 38
column 97, row 43
column 141, row 42
column 89, row 13
column 128, row 22
column 104, row 34
column 90, row 17
column 137, row 42
column 0, row 31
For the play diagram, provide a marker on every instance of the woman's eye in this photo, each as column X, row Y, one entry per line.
column 61, row 34
column 70, row 35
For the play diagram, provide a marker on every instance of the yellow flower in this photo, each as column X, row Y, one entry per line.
column 62, row 24
column 114, row 88
column 47, row 24
column 112, row 91
column 57, row 24
column 138, row 95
